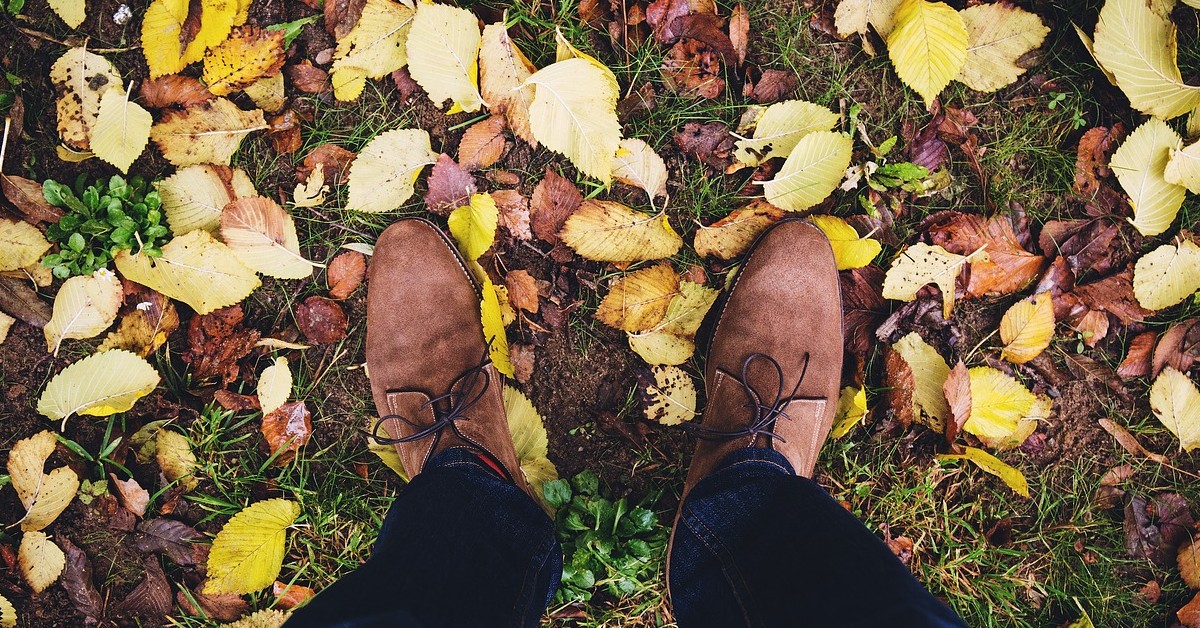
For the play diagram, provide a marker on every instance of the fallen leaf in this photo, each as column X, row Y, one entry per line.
column 920, row 265
column 474, row 225
column 274, row 385
column 40, row 559
column 147, row 320
column 1175, row 400
column 638, row 165
column 852, row 409
column 998, row 403
column 639, row 300
column 286, row 429
column 321, row 320
column 345, row 274
column 176, row 33
column 693, row 68
column 503, row 69
column 151, row 598
column 528, row 431
column 72, row 12
column 167, row 536
column 863, row 309
column 1188, row 561
column 522, row 290
column 194, row 268
column 672, row 340
column 266, row 618
column 1135, row 41
column 710, row 142
column 209, row 132
column 382, row 175
column 311, row 193
column 998, row 35
column 43, row 495
column 482, row 144
column 929, row 371
column 334, row 159
column 236, row 402
column 263, row 237
column 1113, row 294
column 174, row 90
column 774, row 85
column 739, row 31
column 1004, row 267
column 308, row 78
column 853, row 16
column 1137, row 358
column 98, row 385
column 927, row 46
column 79, row 584
column 1140, row 164
column 122, row 129
column 554, row 200
column 573, row 113
column 1092, row 157
column 1129, row 442
column 523, row 358
column 1184, row 168
column 6, row 323
column 174, row 455
column 668, row 395
column 375, row 46
column 849, row 250
column 289, row 596
column 607, row 231
column 492, row 319
column 247, row 553
column 450, row 186
column 27, row 197
column 1179, row 348
column 811, row 171
column 1027, row 329
column 514, row 213
column 780, row 127
column 80, row 79
column 216, row 341
column 23, row 244
column 250, row 53
column 732, row 235
column 285, row 132
column 993, row 465
column 443, row 48
column 194, row 196
column 133, row 496
column 83, row 307
column 1167, row 275
column 8, row 613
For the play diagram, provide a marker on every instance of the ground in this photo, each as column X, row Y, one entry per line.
column 996, row 559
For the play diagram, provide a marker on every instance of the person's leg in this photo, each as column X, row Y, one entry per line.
column 757, row 545
column 460, row 547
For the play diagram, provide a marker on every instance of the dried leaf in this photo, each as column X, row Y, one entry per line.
column 147, row 320
column 374, row 48
column 482, row 144
column 249, row 54
column 993, row 465
column 194, row 196
column 1027, row 329
column 174, row 90
column 920, row 265
column 1167, row 275
column 209, row 132
column 133, row 496
column 502, row 72
column 216, row 341
column 286, row 429
column 321, row 320
column 1140, row 165
column 1004, row 267
column 554, row 200
column 998, row 35
column 43, row 495
column 668, row 395
column 263, row 237
column 345, row 274
column 607, row 231
column 83, row 307
column 450, row 186
column 21, row 244
column 167, row 536
column 1176, row 402
column 382, row 175
column 638, row 301
column 574, row 113
column 80, row 79
column 638, row 165
column 732, row 235
column 174, row 455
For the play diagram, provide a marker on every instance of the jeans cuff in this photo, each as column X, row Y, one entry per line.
column 457, row 457
column 756, row 454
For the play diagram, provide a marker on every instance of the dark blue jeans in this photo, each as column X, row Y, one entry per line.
column 755, row 545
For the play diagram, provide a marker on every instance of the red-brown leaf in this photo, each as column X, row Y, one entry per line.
column 335, row 159
column 710, row 142
column 308, row 78
column 1178, row 348
column 225, row 607
column 739, row 31
column 522, row 290
column 450, row 186
column 774, row 85
column 1009, row 267
column 288, row 596
column 285, row 132
column 216, row 341
column 514, row 213
column 554, row 200
column 133, row 496
column 321, row 320
column 693, row 68
column 345, row 274
column 957, row 389
column 238, row 403
column 1137, row 359
column 174, row 90
column 482, row 144
column 286, row 429
column 26, row 195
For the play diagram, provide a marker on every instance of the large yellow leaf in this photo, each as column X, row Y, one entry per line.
column 263, row 236
column 1140, row 164
column 274, row 385
column 249, row 54
column 997, row 35
column 41, row 561
column 194, row 268
column 44, row 495
column 669, row 396
column 21, row 244
column 928, row 46
column 443, row 55
column 852, row 408
column 383, row 173
column 853, row 16
column 174, row 455
column 1167, row 275
column 993, row 465
column 99, row 385
column 209, row 132
column 732, row 235
column 780, row 128
column 574, row 113
column 122, row 129
column 1176, row 402
column 998, row 403
column 607, row 231
column 83, row 307
column 1135, row 41
column 474, row 225
column 1183, row 168
column 1038, row 413
column 502, row 73
column 1027, row 328
column 493, row 328
column 72, row 12
column 920, row 265
column 8, row 613
column 374, row 48
column 248, row 552
column 529, row 436
column 162, row 32
column 194, row 196
column 81, row 78
column 811, row 172
column 672, row 340
column 850, row 250
column 638, row 165
column 929, row 372
column 638, row 301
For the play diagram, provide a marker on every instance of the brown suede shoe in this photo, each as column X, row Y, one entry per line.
column 433, row 384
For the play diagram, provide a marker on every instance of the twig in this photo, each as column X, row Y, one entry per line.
column 45, row 37
column 4, row 145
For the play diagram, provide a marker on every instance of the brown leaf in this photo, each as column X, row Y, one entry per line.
column 1098, row 246
column 1142, row 538
column 522, row 290
column 739, row 31
column 1188, row 560
column 151, row 598
column 637, row 104
column 288, row 596
column 902, row 547
column 173, row 538
column 662, row 15
column 345, row 274
column 216, row 341
column 148, row 317
column 1129, row 442
column 1155, row 528
column 863, row 309
column 1091, row 161
column 238, row 403
column 1178, row 348
column 286, row 429
column 774, row 85
column 341, row 16
column 554, row 200
column 133, row 496
column 1113, row 294
column 522, row 358
column 514, row 213
column 1137, row 358
column 1097, row 373
column 174, row 90
column 957, row 389
column 482, row 144
column 320, row 320
column 336, row 161
column 693, row 68
column 1150, row 592
column 1092, row 327
column 710, row 142
column 26, row 195
column 18, row 299
column 899, row 381
column 77, row 581
column 707, row 28
column 1189, row 614
column 225, row 608
column 1008, row 268
column 308, row 78
column 450, row 186
column 285, row 132
column 405, row 84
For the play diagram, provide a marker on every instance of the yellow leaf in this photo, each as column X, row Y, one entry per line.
column 443, row 55
column 811, row 172
column 383, row 173
column 249, row 54
column 493, row 329
column 274, row 385
column 162, row 28
column 1140, row 164
column 780, row 128
column 210, row 132
column 194, row 268
column 852, row 407
column 6, row 323
column 81, row 78
column 311, row 193
column 1027, row 328
column 638, row 301
column 174, row 456
column 21, row 244
column 265, row 618
column 529, row 436
column 374, row 48
column 100, row 384
column 607, row 231
column 83, row 307
column 928, row 46
column 502, row 73
column 1090, row 46
column 1167, row 275
column 1183, row 168
column 998, row 35
column 44, row 495
column 8, row 613
column 263, row 237
column 268, row 93
column 574, row 113
column 670, row 396
column 929, row 371
column 144, row 328
column 638, row 165
column 71, row 155
column 919, row 265
column 732, row 235
column 474, row 225
column 1135, row 41
column 853, row 16
column 1041, row 410
column 1176, row 402
column 248, row 552
column 849, row 249
column 993, row 465
column 72, row 12
column 386, row 453
column 193, row 197
column 656, row 347
column 41, row 561
column 998, row 403
column 672, row 340
column 122, row 129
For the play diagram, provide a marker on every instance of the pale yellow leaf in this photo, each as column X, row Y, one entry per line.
column 386, row 453
column 81, row 78
column 275, row 343
column 780, row 127
column 638, row 165
column 194, row 196
column 853, row 16
column 920, row 265
column 248, row 552
column 528, row 432
column 194, row 268
column 41, row 561
column 1135, row 40
column 811, row 172
column 83, row 307
column 21, row 244
column 657, row 347
column 383, row 173
column 670, row 397
column 1167, row 275
column 100, row 384
column 852, row 408
column 8, row 613
column 174, row 455
column 274, row 385
column 1183, row 168
column 607, row 231
column 998, row 34
column 374, row 48
column 493, row 328
column 1176, row 402
column 672, row 340
column 208, row 133
column 993, row 465
column 502, row 73
column 639, row 300
column 72, row 12
column 1027, row 328
column 44, row 495
column 263, row 236
column 265, row 618
column 850, row 250
column 574, row 113
column 474, row 225
column 122, row 129
column 732, row 235
column 443, row 55
column 312, row 192
column 998, row 403
column 929, row 371
column 6, row 323
column 1140, row 165
column 928, row 46
column 268, row 93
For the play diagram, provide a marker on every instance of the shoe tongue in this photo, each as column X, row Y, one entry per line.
column 729, row 409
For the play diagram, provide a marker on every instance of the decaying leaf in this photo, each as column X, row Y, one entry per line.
column 40, row 559
column 98, row 385
column 474, row 225
column 638, row 301
column 248, row 552
column 1140, row 165
column 1176, row 402
column 927, row 46
column 522, row 290
column 574, row 113
column 263, row 237
column 668, row 395
column 207, row 133
column 1027, row 328
column 83, row 307
column 250, row 53
column 502, row 72
column 288, row 596
column 849, row 249
column 382, row 175
column 732, row 235
column 554, row 200
column 345, row 274
column 1167, row 275
column 811, row 171
column 148, row 318
column 607, row 231
column 194, row 268
column 286, row 429
column 920, row 265
column 929, row 372
column 44, row 495
column 998, row 35
column 21, row 244
column 374, row 48
column 993, row 465
column 27, row 197
column 81, row 78
column 174, row 90
column 1003, row 266
column 216, row 341
column 135, row 498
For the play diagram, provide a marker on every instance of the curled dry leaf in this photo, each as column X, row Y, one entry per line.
column 209, row 132
column 450, row 186
column 151, row 598
column 554, row 200
column 236, row 402
column 174, row 90
column 286, row 429
column 334, row 159
column 482, row 144
column 79, row 584
column 216, row 341
column 710, row 142
column 739, row 31
column 693, row 68
column 321, row 320
column 502, row 71
column 345, row 274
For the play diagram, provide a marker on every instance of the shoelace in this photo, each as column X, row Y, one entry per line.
column 765, row 416
column 459, row 405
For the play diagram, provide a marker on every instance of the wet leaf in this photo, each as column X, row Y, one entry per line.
column 321, row 320
column 286, row 429
column 248, row 552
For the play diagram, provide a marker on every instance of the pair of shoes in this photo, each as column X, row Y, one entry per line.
column 774, row 358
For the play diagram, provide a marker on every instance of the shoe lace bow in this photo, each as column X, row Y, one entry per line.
column 458, row 402
column 765, row 415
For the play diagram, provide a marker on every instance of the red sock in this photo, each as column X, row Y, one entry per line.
column 491, row 464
